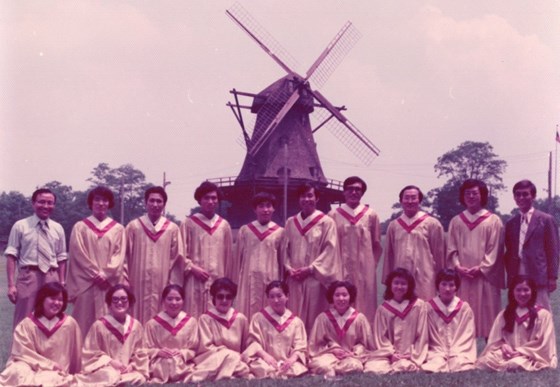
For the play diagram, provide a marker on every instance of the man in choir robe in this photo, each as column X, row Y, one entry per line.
column 415, row 241
column 37, row 247
column 359, row 241
column 208, row 241
column 154, row 255
column 532, row 246
column 310, row 255
column 475, row 251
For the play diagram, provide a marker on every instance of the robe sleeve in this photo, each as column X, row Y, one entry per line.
column 228, row 254
column 94, row 356
column 177, row 255
column 256, row 337
column 129, row 236
column 436, row 240
column 364, row 339
column 389, row 263
column 84, row 266
column 492, row 264
column 25, row 350
column 420, row 346
column 326, row 266
column 138, row 356
column 205, row 336
column 541, row 346
column 452, row 260
column 319, row 341
column 375, row 229
column 238, row 256
column 300, row 341
column 381, row 335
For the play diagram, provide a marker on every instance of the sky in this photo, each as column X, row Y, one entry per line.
column 147, row 82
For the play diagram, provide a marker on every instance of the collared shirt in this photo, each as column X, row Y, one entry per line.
column 23, row 241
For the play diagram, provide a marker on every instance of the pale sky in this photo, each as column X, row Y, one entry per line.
column 146, row 83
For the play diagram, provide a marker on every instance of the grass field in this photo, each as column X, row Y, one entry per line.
column 470, row 378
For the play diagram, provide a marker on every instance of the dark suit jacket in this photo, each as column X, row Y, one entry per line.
column 541, row 248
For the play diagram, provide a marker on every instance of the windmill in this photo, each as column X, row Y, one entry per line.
column 281, row 150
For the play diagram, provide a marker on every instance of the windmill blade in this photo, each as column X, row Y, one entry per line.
column 331, row 57
column 263, row 38
column 346, row 132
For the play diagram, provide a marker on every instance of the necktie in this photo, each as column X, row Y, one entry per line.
column 522, row 233
column 44, row 248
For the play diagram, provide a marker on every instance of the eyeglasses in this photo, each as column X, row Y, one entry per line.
column 122, row 300
column 222, row 297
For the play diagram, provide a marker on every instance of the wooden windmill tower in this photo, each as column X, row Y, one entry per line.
column 281, row 150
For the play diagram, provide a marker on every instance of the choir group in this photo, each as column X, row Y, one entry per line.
column 160, row 303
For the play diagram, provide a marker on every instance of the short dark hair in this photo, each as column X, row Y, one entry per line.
column 525, row 184
column 355, row 179
column 204, row 188
column 352, row 290
column 446, row 274
column 40, row 191
column 50, row 289
column 113, row 289
column 102, row 191
column 404, row 274
column 263, row 197
column 420, row 194
column 155, row 190
column 223, row 283
column 303, row 188
column 277, row 284
column 472, row 183
column 169, row 288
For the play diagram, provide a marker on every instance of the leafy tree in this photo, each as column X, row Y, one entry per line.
column 470, row 160
column 13, row 206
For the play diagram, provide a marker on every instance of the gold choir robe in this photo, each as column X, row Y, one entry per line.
column 208, row 245
column 310, row 243
column 36, row 349
column 222, row 339
column 257, row 262
column 95, row 247
column 181, row 334
column 416, row 244
column 154, row 259
column 359, row 246
column 474, row 240
column 451, row 337
column 109, row 340
column 279, row 336
column 537, row 346
column 399, row 329
column 350, row 332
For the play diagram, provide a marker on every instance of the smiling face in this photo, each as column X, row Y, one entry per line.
column 223, row 300
column 410, row 202
column 264, row 212
column 119, row 305
column 308, row 202
column 277, row 300
column 99, row 207
column 447, row 290
column 472, row 199
column 209, row 204
column 154, row 206
column 524, row 199
column 522, row 294
column 399, row 288
column 341, row 299
column 353, row 194
column 173, row 303
column 43, row 205
column 52, row 305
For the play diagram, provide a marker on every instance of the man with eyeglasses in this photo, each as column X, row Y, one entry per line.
column 532, row 246
column 37, row 247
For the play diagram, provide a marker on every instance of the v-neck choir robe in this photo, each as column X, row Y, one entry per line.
column 220, row 346
column 36, row 349
column 419, row 248
column 279, row 341
column 102, row 345
column 211, row 249
column 93, row 251
column 398, row 332
column 326, row 335
column 479, row 243
column 537, row 346
column 359, row 246
column 314, row 245
column 154, row 260
column 257, row 262
column 451, row 339
column 159, row 334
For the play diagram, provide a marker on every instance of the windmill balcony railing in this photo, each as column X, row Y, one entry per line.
column 229, row 181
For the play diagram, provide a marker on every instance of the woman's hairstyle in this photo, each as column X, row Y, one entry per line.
column 155, row 190
column 303, row 188
column 277, row 284
column 113, row 289
column 169, row 288
column 352, row 290
column 353, row 180
column 446, row 274
column 204, row 188
column 404, row 274
column 509, row 312
column 472, row 183
column 263, row 197
column 102, row 191
column 223, row 283
column 50, row 289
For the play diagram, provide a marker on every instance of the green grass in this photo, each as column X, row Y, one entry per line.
column 470, row 378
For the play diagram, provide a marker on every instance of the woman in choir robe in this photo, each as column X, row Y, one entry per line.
column 113, row 351
column 208, row 249
column 171, row 339
column 46, row 348
column 451, row 330
column 96, row 251
column 522, row 337
column 277, row 343
column 257, row 257
column 222, row 333
column 400, row 334
column 341, row 336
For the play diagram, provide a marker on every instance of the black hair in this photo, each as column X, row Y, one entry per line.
column 263, row 197
column 277, row 284
column 446, row 274
column 404, row 274
column 420, row 194
column 303, row 188
column 113, row 289
column 204, row 188
column 223, row 283
column 102, row 191
column 355, row 179
column 155, row 190
column 50, row 289
column 169, row 288
column 42, row 191
column 526, row 184
column 472, row 183
column 509, row 312
column 352, row 290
